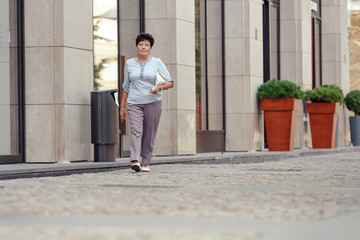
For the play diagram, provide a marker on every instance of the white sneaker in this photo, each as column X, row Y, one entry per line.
column 136, row 167
column 145, row 169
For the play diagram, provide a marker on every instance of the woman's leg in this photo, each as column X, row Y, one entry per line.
column 136, row 119
column 152, row 113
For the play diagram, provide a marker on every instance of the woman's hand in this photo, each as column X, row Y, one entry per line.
column 160, row 88
column 123, row 105
column 122, row 114
column 156, row 89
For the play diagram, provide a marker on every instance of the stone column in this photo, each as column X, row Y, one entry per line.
column 59, row 78
column 295, row 54
column 172, row 23
column 335, row 55
column 244, row 74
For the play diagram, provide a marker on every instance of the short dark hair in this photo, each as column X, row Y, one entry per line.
column 145, row 36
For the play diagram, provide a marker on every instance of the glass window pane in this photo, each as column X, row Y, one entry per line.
column 209, row 65
column 354, row 45
column 198, row 65
column 129, row 29
column 317, row 36
column 274, row 41
column 105, row 45
column 9, row 108
column 316, row 52
column 214, row 62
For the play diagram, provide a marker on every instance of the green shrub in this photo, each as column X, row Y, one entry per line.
column 276, row 89
column 352, row 101
column 325, row 93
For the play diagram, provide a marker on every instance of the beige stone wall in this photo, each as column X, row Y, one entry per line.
column 244, row 70
column 172, row 23
column 295, row 56
column 59, row 70
column 244, row 74
column 336, row 56
column 59, row 78
column 296, row 63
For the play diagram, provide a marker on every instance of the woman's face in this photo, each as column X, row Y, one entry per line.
column 144, row 48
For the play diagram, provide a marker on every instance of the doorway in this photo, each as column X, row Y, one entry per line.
column 210, row 76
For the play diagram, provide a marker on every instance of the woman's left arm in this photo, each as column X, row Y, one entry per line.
column 159, row 88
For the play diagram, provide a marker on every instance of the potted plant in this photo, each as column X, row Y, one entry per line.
column 323, row 109
column 352, row 102
column 280, row 101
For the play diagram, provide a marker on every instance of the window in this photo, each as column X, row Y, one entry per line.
column 354, row 44
column 316, row 43
column 11, row 79
column 105, row 44
column 271, row 43
column 210, row 74
column 271, row 26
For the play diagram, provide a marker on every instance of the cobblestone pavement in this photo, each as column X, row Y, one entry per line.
column 304, row 198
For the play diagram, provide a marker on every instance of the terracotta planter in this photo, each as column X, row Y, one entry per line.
column 280, row 122
column 323, row 120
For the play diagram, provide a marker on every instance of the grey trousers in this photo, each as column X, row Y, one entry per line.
column 144, row 121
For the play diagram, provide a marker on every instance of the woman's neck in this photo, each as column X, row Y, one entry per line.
column 143, row 59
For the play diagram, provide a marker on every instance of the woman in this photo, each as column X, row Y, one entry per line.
column 143, row 100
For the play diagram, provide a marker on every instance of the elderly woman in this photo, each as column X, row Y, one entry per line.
column 143, row 100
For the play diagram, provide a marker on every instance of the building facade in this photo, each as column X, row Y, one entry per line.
column 54, row 53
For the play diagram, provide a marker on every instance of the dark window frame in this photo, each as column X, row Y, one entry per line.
column 142, row 15
column 267, row 4
column 316, row 20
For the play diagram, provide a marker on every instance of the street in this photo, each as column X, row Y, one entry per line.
column 314, row 197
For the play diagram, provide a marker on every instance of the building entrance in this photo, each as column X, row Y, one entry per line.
column 210, row 76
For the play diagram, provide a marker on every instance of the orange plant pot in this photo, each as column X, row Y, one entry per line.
column 280, row 121
column 323, row 121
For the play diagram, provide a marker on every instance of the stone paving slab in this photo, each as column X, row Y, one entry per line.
column 307, row 197
column 91, row 227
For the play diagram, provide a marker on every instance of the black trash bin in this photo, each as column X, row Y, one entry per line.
column 104, row 124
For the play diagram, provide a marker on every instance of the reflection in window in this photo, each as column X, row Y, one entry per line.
column 316, row 51
column 274, row 41
column 198, row 64
column 354, row 45
column 316, row 44
column 105, row 44
column 271, row 40
column 9, row 107
column 209, row 85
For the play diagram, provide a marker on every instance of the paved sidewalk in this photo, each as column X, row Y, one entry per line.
column 13, row 171
column 309, row 197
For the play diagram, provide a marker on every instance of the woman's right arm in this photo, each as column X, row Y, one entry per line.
column 124, row 94
column 123, row 105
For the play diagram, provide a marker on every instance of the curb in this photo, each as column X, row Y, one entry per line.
column 245, row 157
column 16, row 171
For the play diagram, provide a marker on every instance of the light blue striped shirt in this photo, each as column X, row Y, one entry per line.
column 139, row 79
